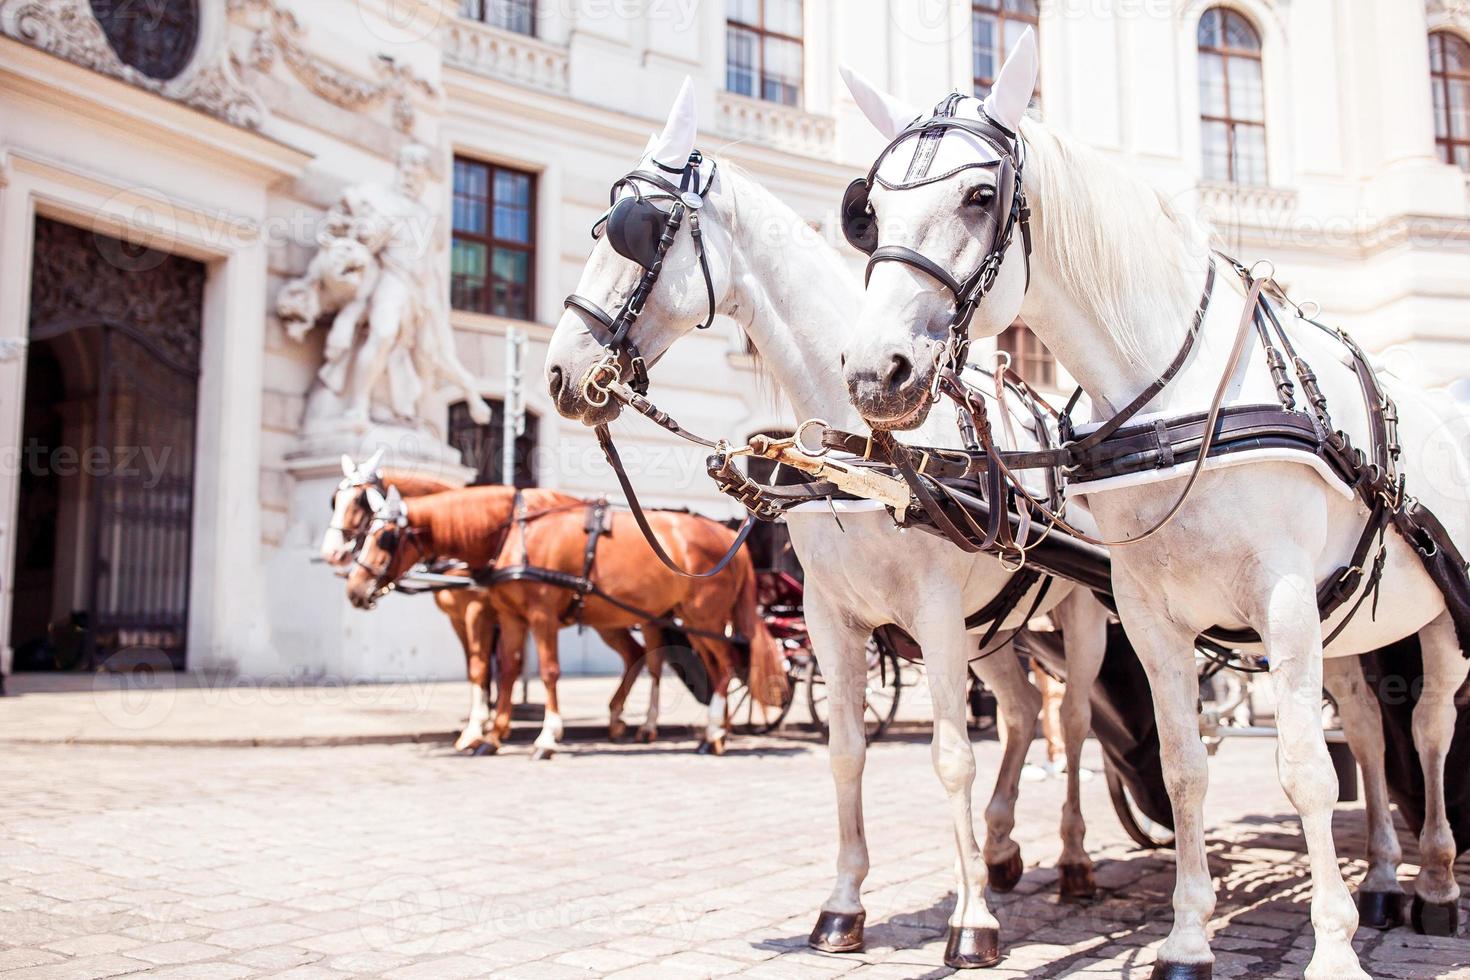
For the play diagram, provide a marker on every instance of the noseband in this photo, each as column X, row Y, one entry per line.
column 640, row 229
column 859, row 223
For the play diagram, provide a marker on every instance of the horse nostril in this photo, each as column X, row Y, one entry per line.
column 556, row 380
column 900, row 370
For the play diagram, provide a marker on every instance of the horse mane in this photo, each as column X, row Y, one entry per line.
column 411, row 483
column 466, row 524
column 1117, row 242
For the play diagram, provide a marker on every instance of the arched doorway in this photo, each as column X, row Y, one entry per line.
column 107, row 477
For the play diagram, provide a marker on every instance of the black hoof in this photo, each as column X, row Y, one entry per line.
column 717, row 747
column 1182, row 971
column 1004, row 877
column 838, row 932
column 484, row 748
column 1380, row 910
column 972, row 948
column 1435, row 918
column 1075, row 882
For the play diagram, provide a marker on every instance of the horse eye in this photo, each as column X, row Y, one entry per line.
column 981, row 196
column 388, row 540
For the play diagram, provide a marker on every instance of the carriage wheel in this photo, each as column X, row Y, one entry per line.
column 885, row 681
column 755, row 717
column 1144, row 831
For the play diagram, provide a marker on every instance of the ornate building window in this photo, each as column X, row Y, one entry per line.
column 763, row 49
column 492, row 267
column 157, row 38
column 1232, row 99
column 508, row 15
column 480, row 446
column 996, row 26
column 1029, row 356
column 1449, row 74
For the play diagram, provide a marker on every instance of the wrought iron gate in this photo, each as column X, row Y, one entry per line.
column 139, row 311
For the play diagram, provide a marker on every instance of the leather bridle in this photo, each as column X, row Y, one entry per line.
column 968, row 290
column 623, row 361
column 382, row 583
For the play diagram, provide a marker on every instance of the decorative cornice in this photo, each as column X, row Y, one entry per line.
column 279, row 37
column 779, row 126
column 1449, row 11
column 67, row 29
column 517, row 58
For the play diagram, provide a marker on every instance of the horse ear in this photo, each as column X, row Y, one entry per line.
column 349, row 468
column 888, row 115
column 374, row 463
column 375, row 500
column 394, row 501
column 676, row 142
column 1015, row 84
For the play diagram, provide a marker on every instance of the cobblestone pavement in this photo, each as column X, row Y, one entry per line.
column 406, row 861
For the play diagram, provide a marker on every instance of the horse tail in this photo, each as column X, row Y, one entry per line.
column 767, row 668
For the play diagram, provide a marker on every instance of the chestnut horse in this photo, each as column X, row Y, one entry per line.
column 496, row 526
column 470, row 614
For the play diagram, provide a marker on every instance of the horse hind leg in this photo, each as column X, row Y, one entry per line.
column 633, row 658
column 1436, row 893
column 653, row 644
column 1084, row 626
column 1019, row 705
column 1380, row 897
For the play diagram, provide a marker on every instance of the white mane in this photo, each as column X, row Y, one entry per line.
column 1117, row 243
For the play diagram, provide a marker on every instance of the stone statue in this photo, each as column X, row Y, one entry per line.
column 378, row 274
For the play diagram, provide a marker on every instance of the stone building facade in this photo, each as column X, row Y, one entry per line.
column 167, row 167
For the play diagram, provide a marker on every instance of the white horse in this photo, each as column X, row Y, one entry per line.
column 1113, row 284
column 797, row 303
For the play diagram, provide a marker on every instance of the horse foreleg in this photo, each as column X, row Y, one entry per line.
column 840, row 648
column 1380, row 897
column 1285, row 615
column 653, row 644
column 1436, row 893
column 632, row 655
column 1084, row 625
column 549, row 741
column 479, row 640
column 1019, row 703
column 974, row 932
column 511, row 651
column 1166, row 650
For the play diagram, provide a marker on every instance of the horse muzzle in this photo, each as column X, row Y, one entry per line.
column 892, row 389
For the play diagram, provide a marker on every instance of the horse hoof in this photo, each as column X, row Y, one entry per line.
column 1435, row 918
column 615, row 733
column 972, row 948
column 838, row 932
column 647, row 735
column 540, row 752
column 1164, row 970
column 1075, row 882
column 485, row 748
column 717, row 747
column 1380, row 910
column 1006, row 875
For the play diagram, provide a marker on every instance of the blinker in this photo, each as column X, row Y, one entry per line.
column 633, row 227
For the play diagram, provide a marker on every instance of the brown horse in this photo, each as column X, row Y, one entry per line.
column 481, row 526
column 468, row 609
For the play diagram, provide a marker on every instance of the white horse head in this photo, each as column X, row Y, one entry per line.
column 680, row 300
column 942, row 200
column 353, row 502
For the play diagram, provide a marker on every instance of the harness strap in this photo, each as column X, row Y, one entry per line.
column 604, row 439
